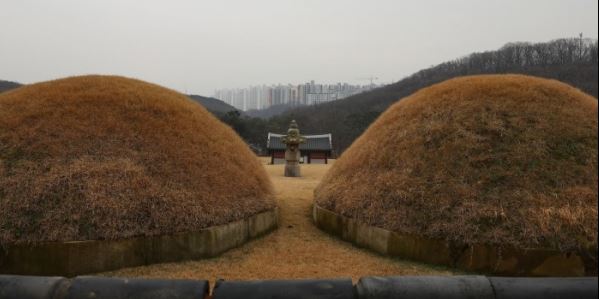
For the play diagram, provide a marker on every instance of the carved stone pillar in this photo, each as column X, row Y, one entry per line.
column 292, row 154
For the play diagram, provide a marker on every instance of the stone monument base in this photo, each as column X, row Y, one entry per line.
column 292, row 170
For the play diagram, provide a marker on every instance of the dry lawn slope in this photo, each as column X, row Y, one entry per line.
column 102, row 157
column 498, row 159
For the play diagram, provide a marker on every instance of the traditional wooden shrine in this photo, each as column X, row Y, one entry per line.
column 315, row 149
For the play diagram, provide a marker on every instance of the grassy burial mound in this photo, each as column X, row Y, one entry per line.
column 499, row 159
column 103, row 157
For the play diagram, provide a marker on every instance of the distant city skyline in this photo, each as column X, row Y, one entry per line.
column 200, row 46
column 310, row 93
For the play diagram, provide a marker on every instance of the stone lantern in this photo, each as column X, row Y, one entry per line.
column 292, row 154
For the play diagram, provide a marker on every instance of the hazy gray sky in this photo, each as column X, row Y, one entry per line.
column 198, row 46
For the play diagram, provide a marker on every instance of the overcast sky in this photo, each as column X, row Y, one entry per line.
column 199, row 46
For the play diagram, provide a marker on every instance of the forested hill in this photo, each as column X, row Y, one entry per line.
column 271, row 111
column 573, row 61
column 213, row 105
column 8, row 85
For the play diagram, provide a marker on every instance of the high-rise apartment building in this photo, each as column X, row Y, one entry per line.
column 310, row 93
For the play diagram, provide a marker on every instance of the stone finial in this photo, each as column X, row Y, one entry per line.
column 292, row 154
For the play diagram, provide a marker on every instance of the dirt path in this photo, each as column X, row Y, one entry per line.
column 296, row 250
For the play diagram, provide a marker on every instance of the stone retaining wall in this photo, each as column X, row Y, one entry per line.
column 478, row 257
column 82, row 257
column 373, row 287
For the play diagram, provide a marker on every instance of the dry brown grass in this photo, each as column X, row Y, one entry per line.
column 102, row 157
column 298, row 249
column 499, row 159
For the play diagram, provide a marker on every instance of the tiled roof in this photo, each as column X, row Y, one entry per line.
column 313, row 142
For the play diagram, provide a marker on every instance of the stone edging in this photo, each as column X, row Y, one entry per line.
column 478, row 257
column 83, row 257
column 369, row 287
